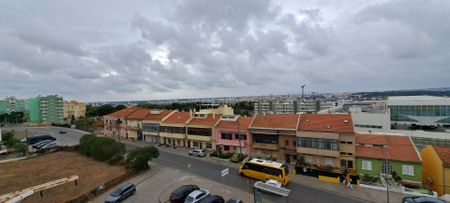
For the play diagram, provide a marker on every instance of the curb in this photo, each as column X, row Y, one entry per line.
column 152, row 174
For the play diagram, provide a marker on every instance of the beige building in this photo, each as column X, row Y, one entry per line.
column 200, row 130
column 327, row 140
column 172, row 129
column 74, row 108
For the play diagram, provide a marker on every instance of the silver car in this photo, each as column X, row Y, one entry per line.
column 197, row 152
column 197, row 196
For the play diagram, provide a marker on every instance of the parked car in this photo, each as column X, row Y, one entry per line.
column 41, row 143
column 50, row 145
column 121, row 193
column 62, row 132
column 197, row 195
column 35, row 139
column 234, row 200
column 197, row 152
column 213, row 199
column 180, row 194
column 422, row 199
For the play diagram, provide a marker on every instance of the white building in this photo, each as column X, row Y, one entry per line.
column 420, row 110
column 368, row 121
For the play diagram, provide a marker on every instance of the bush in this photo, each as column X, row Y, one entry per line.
column 101, row 148
column 237, row 157
column 7, row 136
column 226, row 155
column 137, row 159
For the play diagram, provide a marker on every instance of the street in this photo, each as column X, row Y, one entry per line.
column 198, row 167
column 71, row 137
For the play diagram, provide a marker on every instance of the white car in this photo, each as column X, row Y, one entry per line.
column 197, row 195
column 197, row 152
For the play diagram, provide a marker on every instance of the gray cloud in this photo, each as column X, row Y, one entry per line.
column 198, row 48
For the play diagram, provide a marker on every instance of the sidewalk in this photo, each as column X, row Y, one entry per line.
column 214, row 188
column 364, row 194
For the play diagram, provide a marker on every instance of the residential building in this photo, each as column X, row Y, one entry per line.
column 218, row 110
column 369, row 121
column 75, row 109
column 291, row 107
column 231, row 134
column 420, row 110
column 436, row 168
column 273, row 136
column 12, row 104
column 172, row 129
column 327, row 140
column 134, row 123
column 200, row 130
column 51, row 109
column 33, row 108
column 115, row 124
column 383, row 154
column 151, row 124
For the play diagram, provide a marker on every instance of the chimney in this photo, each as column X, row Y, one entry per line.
column 190, row 113
column 214, row 115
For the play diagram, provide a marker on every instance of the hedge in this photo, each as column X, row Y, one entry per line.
column 101, row 148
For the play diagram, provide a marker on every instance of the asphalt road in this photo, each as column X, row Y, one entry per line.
column 71, row 137
column 209, row 170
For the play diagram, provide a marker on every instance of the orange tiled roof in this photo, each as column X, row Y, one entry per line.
column 209, row 121
column 244, row 123
column 177, row 118
column 139, row 114
column 399, row 148
column 341, row 123
column 443, row 153
column 123, row 113
column 158, row 117
column 280, row 121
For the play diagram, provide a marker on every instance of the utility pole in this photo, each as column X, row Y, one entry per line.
column 303, row 92
column 239, row 136
column 387, row 171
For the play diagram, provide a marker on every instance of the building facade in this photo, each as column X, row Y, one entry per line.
column 200, row 130
column 436, row 168
column 115, row 124
column 172, row 129
column 151, row 125
column 273, row 136
column 420, row 110
column 51, row 109
column 75, row 109
column 327, row 140
column 231, row 134
column 134, row 123
column 383, row 154
column 291, row 107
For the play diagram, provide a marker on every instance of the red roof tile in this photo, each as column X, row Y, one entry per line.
column 209, row 121
column 244, row 123
column 279, row 121
column 398, row 148
column 123, row 113
column 139, row 114
column 158, row 116
column 443, row 153
column 341, row 123
column 177, row 118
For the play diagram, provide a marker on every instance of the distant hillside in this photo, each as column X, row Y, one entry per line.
column 430, row 92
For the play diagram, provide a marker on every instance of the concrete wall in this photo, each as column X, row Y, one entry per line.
column 371, row 119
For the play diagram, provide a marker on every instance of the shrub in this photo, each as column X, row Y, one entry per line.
column 237, row 157
column 7, row 136
column 225, row 155
column 101, row 148
column 396, row 177
column 137, row 159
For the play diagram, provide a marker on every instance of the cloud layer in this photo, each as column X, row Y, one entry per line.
column 105, row 50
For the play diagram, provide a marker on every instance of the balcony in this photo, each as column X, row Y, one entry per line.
column 231, row 142
column 199, row 138
column 318, row 152
column 173, row 135
column 265, row 146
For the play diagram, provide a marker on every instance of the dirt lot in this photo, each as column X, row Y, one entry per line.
column 22, row 174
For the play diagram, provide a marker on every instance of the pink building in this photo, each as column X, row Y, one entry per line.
column 227, row 131
column 115, row 124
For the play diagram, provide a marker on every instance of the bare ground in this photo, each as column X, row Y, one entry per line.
column 26, row 173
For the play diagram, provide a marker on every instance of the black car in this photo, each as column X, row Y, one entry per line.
column 62, row 132
column 234, row 200
column 422, row 199
column 121, row 193
column 213, row 199
column 35, row 139
column 180, row 194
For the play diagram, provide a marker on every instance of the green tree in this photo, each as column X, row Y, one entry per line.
column 137, row 159
column 101, row 148
column 119, row 107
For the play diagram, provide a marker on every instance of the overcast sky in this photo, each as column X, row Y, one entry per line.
column 158, row 49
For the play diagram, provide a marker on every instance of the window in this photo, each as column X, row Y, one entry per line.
column 367, row 165
column 286, row 142
column 226, row 148
column 349, row 164
column 195, row 144
column 226, row 136
column 294, row 143
column 386, row 168
column 408, row 170
column 200, row 131
column 180, row 130
column 308, row 159
column 242, row 136
column 318, row 143
column 266, row 139
column 208, row 145
column 329, row 161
